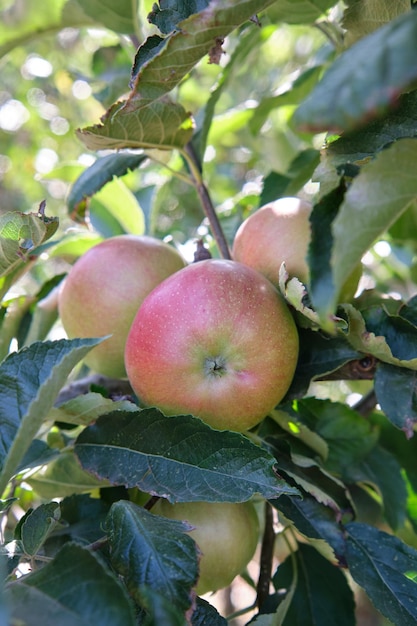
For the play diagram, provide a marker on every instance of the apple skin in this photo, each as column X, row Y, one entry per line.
column 277, row 232
column 104, row 289
column 215, row 340
column 226, row 533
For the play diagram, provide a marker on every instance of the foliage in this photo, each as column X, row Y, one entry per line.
column 139, row 118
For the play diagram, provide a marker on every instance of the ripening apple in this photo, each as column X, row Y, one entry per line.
column 104, row 289
column 215, row 340
column 280, row 232
column 226, row 533
column 277, row 232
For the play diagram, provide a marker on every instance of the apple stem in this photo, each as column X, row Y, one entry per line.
column 205, row 199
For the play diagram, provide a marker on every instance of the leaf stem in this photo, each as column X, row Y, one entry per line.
column 206, row 202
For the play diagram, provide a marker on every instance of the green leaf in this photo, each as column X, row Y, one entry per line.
column 20, row 234
column 150, row 550
column 375, row 199
column 359, row 145
column 117, row 16
column 299, row 11
column 121, row 205
column 346, row 97
column 86, row 408
column 198, row 35
column 159, row 610
column 381, row 470
column 63, row 477
column 401, row 407
column 179, row 458
column 101, row 172
column 29, row 383
column 313, row 520
column 391, row 348
column 38, row 525
column 319, row 355
column 166, row 14
column 205, row 614
column 349, row 437
column 362, row 18
column 75, row 589
column 299, row 172
column 140, row 123
column 385, row 567
column 322, row 594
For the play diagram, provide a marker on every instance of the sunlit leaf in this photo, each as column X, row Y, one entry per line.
column 198, row 35
column 140, row 123
column 362, row 18
column 353, row 91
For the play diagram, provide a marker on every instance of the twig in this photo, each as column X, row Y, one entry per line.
column 267, row 554
column 206, row 203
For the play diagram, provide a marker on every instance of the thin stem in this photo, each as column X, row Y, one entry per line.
column 205, row 199
column 267, row 555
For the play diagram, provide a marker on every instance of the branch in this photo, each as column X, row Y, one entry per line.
column 267, row 554
column 206, row 202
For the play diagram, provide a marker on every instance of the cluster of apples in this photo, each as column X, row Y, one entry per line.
column 213, row 339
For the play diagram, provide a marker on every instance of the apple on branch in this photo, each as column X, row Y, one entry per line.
column 214, row 340
column 226, row 534
column 104, row 289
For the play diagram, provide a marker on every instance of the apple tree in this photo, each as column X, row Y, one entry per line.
column 178, row 122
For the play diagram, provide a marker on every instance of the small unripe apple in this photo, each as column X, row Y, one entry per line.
column 277, row 232
column 215, row 340
column 226, row 533
column 104, row 289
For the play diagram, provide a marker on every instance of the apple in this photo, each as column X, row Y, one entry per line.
column 280, row 232
column 214, row 340
column 226, row 534
column 277, row 232
column 104, row 289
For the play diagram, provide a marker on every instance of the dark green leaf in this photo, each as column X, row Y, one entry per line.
column 375, row 344
column 385, row 567
column 205, row 614
column 399, row 407
column 349, row 437
column 101, row 172
column 84, row 517
column 322, row 594
column 29, row 383
column 322, row 285
column 38, row 525
column 319, row 355
column 399, row 333
column 313, row 520
column 166, row 14
column 179, row 458
column 75, row 589
column 159, row 610
column 346, row 97
column 200, row 34
column 150, row 550
column 140, row 123
column 361, row 144
column 381, row 470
